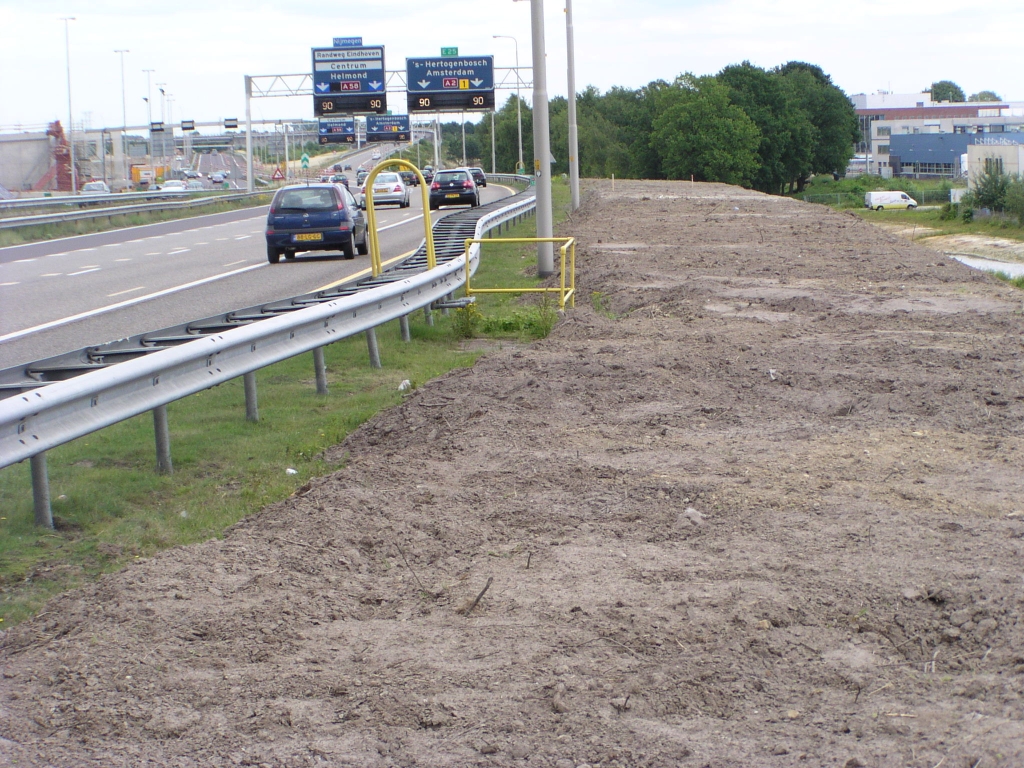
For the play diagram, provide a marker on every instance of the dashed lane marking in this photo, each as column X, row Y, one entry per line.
column 122, row 293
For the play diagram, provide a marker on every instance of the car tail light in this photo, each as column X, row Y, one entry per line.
column 467, row 184
column 435, row 185
column 398, row 188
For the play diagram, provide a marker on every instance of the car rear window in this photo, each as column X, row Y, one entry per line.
column 386, row 178
column 297, row 200
column 446, row 176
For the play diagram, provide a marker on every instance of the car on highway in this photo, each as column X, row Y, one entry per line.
column 314, row 217
column 388, row 187
column 453, row 187
column 194, row 185
column 361, row 176
column 339, row 178
column 173, row 185
column 409, row 178
column 428, row 173
column 479, row 176
column 95, row 188
column 375, row 155
column 218, row 177
column 190, row 174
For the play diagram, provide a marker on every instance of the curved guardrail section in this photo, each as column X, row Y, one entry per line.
column 49, row 415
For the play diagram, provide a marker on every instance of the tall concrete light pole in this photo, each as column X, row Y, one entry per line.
column 574, row 149
column 71, row 116
column 541, row 142
column 163, row 107
column 124, row 120
column 520, row 168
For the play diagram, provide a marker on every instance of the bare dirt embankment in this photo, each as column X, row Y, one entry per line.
column 764, row 508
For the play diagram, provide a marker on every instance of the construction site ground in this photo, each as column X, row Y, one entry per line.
column 758, row 500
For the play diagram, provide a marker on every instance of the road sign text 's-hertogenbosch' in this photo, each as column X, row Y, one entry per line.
column 349, row 80
column 337, row 130
column 388, row 128
column 450, row 84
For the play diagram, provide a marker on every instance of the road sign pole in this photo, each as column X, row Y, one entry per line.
column 574, row 159
column 541, row 143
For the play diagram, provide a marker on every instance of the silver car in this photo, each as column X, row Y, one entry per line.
column 387, row 188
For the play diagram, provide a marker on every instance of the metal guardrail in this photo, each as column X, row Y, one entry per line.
column 122, row 210
column 50, row 415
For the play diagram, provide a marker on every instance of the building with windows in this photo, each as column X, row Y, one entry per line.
column 887, row 120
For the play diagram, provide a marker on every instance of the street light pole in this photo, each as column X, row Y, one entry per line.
column 163, row 107
column 124, row 121
column 541, row 142
column 574, row 159
column 519, row 105
column 71, row 116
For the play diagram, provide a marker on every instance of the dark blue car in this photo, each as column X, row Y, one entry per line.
column 314, row 217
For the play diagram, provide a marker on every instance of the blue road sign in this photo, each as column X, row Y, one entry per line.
column 349, row 80
column 450, row 84
column 347, row 42
column 337, row 130
column 448, row 74
column 388, row 128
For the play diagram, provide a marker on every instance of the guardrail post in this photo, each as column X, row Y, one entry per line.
column 428, row 316
column 163, row 440
column 252, row 406
column 41, row 491
column 444, row 310
column 320, row 366
column 371, row 343
column 403, row 323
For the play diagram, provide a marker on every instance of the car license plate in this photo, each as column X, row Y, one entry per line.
column 452, row 194
column 380, row 190
column 307, row 237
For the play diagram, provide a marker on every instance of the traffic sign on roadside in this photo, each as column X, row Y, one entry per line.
column 156, row 127
column 347, row 42
column 188, row 125
column 349, row 80
column 449, row 51
column 305, row 160
column 451, row 84
column 277, row 175
column 230, row 123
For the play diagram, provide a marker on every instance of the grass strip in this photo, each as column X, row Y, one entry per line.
column 37, row 232
column 111, row 507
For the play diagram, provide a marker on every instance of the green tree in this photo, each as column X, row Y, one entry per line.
column 984, row 96
column 830, row 112
column 787, row 135
column 989, row 189
column 704, row 135
column 946, row 90
column 1014, row 198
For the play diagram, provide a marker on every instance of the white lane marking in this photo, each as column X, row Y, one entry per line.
column 128, row 259
column 2, row 284
column 52, row 274
column 113, row 245
column 126, row 303
column 219, row 239
column 23, row 261
column 84, row 272
column 243, row 237
column 122, row 293
column 83, row 250
column 241, row 261
column 200, row 243
column 181, row 250
column 154, row 253
column 90, row 266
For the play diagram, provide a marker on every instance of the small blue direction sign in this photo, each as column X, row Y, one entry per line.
column 451, row 83
column 348, row 80
column 347, row 42
column 388, row 128
column 337, row 130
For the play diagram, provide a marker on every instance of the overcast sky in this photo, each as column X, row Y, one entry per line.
column 201, row 50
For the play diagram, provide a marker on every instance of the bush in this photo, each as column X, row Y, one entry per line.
column 1014, row 200
column 950, row 212
column 990, row 190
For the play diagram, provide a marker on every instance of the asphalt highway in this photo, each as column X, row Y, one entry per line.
column 62, row 295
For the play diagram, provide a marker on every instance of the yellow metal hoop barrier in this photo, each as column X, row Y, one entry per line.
column 565, row 294
column 371, row 215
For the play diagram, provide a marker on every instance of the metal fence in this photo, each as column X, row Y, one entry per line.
column 39, row 419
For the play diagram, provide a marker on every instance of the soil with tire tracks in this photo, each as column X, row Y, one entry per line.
column 758, row 500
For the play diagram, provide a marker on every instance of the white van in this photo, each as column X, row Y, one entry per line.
column 879, row 200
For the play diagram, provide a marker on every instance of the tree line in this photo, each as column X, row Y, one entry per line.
column 765, row 129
